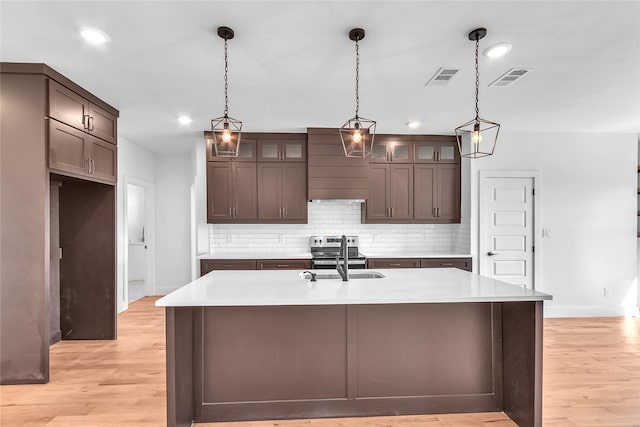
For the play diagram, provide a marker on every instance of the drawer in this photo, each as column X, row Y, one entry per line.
column 461, row 263
column 393, row 263
column 207, row 265
column 284, row 264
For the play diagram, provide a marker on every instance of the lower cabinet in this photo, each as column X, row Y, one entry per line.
column 393, row 263
column 284, row 264
column 76, row 153
column 208, row 265
column 461, row 263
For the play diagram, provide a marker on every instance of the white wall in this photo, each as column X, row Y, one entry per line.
column 173, row 179
column 133, row 162
column 587, row 195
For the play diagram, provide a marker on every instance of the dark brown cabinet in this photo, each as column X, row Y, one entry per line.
column 461, row 263
column 76, row 153
column 246, row 150
column 284, row 264
column 391, row 192
column 436, row 149
column 282, row 150
column 68, row 107
column 391, row 149
column 208, row 265
column 393, row 263
column 437, row 195
column 231, row 192
column 282, row 192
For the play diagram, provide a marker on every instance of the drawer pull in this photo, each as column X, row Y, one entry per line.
column 227, row 265
column 395, row 265
column 283, row 266
column 446, row 264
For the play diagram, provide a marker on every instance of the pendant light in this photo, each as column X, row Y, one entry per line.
column 357, row 133
column 479, row 135
column 226, row 130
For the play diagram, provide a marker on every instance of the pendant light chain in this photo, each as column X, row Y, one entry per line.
column 226, row 84
column 357, row 78
column 477, row 78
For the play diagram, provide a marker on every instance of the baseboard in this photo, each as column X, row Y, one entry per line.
column 585, row 311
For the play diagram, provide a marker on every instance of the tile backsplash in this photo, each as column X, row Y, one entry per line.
column 337, row 217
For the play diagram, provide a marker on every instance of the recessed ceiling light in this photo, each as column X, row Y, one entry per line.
column 497, row 50
column 94, row 35
column 185, row 120
column 413, row 125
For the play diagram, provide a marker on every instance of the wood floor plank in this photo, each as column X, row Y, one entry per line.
column 591, row 378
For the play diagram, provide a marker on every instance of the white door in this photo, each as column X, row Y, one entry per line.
column 506, row 229
column 137, row 229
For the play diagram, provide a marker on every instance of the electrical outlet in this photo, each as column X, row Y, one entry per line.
column 605, row 292
column 546, row 232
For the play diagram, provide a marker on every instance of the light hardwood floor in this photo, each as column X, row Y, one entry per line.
column 591, row 378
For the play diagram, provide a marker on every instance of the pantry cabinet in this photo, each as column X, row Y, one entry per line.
column 76, row 153
column 73, row 109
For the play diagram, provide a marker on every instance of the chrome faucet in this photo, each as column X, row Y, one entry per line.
column 343, row 270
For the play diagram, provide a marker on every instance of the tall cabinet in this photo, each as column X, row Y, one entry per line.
column 54, row 132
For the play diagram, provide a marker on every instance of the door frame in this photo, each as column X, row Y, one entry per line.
column 537, row 215
column 150, row 282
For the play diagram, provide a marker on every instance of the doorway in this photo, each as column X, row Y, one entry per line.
column 508, row 226
column 138, row 241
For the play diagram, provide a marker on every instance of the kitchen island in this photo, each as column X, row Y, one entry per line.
column 249, row 345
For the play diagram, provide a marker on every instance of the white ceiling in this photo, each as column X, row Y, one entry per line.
column 292, row 64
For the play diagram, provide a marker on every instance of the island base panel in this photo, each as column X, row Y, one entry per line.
column 354, row 360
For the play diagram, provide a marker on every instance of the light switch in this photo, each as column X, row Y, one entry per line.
column 546, row 232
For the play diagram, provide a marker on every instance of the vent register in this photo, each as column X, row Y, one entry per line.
column 445, row 74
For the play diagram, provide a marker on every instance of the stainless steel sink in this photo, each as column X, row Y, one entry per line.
column 336, row 276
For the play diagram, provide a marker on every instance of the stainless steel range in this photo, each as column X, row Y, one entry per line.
column 325, row 250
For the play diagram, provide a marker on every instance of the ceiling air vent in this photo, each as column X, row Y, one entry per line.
column 443, row 76
column 511, row 76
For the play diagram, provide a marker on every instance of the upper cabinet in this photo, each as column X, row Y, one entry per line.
column 391, row 149
column 246, row 149
column 426, row 191
column 282, row 150
column 265, row 183
column 68, row 107
column 436, row 149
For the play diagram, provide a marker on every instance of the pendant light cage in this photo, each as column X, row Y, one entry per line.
column 226, row 130
column 478, row 137
column 357, row 134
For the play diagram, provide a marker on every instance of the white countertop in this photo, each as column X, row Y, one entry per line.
column 414, row 254
column 307, row 255
column 399, row 286
column 256, row 255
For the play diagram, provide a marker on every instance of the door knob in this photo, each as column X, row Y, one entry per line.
column 491, row 253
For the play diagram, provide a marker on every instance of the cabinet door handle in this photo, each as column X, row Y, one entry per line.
column 91, row 127
column 88, row 166
column 285, row 211
column 433, row 211
column 85, row 121
column 93, row 166
column 391, row 212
